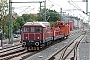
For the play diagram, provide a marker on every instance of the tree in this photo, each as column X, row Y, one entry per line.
column 16, row 26
column 26, row 17
column 52, row 23
column 3, row 16
column 39, row 17
column 51, row 15
column 20, row 21
column 29, row 17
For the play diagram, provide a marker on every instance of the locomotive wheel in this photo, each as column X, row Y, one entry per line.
column 49, row 43
column 42, row 45
column 63, row 37
column 66, row 36
column 45, row 44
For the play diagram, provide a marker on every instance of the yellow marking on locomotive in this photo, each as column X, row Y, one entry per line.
column 37, row 48
column 28, row 48
column 34, row 48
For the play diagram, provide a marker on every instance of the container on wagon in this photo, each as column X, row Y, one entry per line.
column 71, row 25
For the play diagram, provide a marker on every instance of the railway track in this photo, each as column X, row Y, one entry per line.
column 66, row 50
column 33, row 54
column 29, row 55
column 5, row 52
column 15, row 51
column 76, row 32
column 9, row 46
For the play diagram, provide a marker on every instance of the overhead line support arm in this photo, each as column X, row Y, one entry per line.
column 29, row 2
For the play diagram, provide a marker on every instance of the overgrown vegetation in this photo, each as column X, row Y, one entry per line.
column 4, row 17
column 51, row 16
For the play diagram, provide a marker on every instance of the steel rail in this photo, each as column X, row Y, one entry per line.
column 6, row 47
column 18, row 53
column 65, row 47
column 31, row 54
column 77, row 43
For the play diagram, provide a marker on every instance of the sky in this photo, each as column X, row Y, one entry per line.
column 22, row 8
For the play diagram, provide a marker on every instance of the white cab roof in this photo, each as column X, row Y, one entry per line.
column 43, row 24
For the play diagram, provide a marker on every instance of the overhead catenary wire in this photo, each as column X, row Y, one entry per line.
column 25, row 9
column 51, row 6
column 77, row 6
column 30, row 10
column 20, row 7
column 74, row 6
column 55, row 3
column 28, row 2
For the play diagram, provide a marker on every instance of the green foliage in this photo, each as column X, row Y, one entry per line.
column 86, row 24
column 39, row 18
column 28, row 17
column 6, row 31
column 20, row 21
column 52, row 23
column 17, row 23
column 51, row 15
column 16, row 26
column 3, row 17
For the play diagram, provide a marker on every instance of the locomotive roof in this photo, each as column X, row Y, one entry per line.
column 44, row 24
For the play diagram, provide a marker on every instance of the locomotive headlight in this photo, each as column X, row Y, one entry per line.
column 37, row 37
column 26, row 37
column 37, row 43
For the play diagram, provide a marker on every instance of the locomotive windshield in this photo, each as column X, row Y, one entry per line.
column 26, row 29
column 38, row 29
column 33, row 29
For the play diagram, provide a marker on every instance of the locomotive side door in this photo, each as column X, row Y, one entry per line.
column 32, row 33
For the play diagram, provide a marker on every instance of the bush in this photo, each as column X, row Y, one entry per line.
column 52, row 23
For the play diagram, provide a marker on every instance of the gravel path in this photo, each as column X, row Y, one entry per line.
column 84, row 49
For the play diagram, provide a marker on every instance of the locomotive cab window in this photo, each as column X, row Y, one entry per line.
column 26, row 29
column 32, row 29
column 38, row 29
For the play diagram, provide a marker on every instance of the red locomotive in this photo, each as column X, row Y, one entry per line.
column 36, row 35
